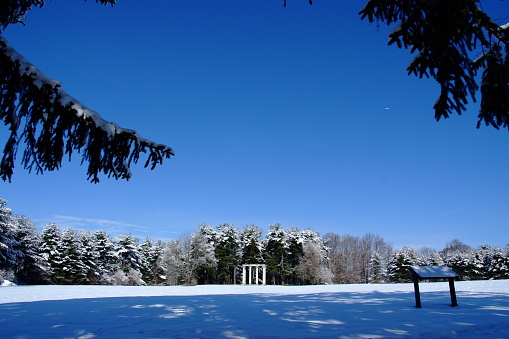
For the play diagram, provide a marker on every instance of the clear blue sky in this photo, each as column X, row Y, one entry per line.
column 300, row 115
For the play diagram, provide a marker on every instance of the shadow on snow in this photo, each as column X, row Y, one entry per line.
column 331, row 315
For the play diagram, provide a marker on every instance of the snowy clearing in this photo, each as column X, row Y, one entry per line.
column 223, row 311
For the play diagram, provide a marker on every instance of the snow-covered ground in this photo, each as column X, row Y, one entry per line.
column 333, row 311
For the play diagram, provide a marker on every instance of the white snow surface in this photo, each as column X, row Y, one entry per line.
column 225, row 311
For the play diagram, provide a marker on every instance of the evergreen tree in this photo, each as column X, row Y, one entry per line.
column 89, row 257
column 484, row 256
column 129, row 252
column 70, row 269
column 377, row 269
column 275, row 253
column 475, row 269
column 459, row 262
column 150, row 253
column 398, row 267
column 50, row 250
column 107, row 259
column 10, row 256
column 154, row 256
column 31, row 270
column 500, row 263
column 251, row 245
column 227, row 254
column 435, row 259
column 293, row 243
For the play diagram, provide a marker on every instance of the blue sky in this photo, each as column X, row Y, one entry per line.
column 300, row 115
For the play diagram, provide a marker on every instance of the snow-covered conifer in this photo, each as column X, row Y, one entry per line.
column 70, row 269
column 227, row 254
column 500, row 263
column 150, row 253
column 107, row 259
column 275, row 253
column 398, row 267
column 89, row 257
column 49, row 250
column 10, row 256
column 32, row 268
column 434, row 259
column 251, row 245
column 129, row 253
column 377, row 269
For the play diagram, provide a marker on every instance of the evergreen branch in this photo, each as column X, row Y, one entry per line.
column 446, row 34
column 14, row 11
column 51, row 123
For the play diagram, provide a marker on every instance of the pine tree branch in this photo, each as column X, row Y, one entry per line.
column 51, row 123
column 14, row 11
column 446, row 35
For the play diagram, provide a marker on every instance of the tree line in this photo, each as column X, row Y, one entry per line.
column 215, row 255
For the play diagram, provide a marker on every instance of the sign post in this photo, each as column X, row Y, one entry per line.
column 433, row 272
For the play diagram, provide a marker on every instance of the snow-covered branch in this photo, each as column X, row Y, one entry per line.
column 51, row 123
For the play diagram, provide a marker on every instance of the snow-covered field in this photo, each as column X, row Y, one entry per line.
column 212, row 311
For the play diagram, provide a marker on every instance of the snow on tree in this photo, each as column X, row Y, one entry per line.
column 190, row 263
column 251, row 245
column 107, row 259
column 131, row 261
column 50, row 249
column 71, row 268
column 312, row 267
column 10, row 256
column 170, row 263
column 484, row 255
column 202, row 253
column 203, row 250
column 500, row 263
column 377, row 269
column 434, row 259
column 398, row 267
column 31, row 270
column 89, row 256
column 275, row 254
column 177, row 264
column 52, row 124
column 150, row 253
column 293, row 252
column 227, row 254
column 462, row 262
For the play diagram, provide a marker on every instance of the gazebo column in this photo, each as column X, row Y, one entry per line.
column 264, row 275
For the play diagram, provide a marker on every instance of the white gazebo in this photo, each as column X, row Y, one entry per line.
column 253, row 273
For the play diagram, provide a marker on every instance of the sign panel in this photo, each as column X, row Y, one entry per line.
column 433, row 272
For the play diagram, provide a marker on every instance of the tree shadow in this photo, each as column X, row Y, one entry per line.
column 320, row 315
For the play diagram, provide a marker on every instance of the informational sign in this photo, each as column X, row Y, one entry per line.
column 433, row 272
